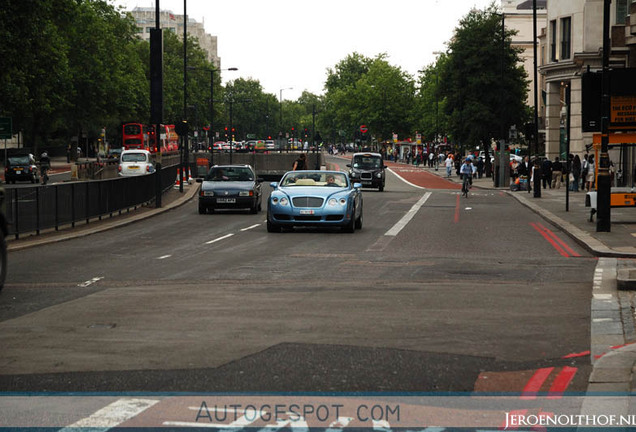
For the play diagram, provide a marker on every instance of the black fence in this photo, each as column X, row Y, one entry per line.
column 37, row 208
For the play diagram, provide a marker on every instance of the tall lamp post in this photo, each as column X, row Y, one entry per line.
column 281, row 107
column 437, row 54
column 211, row 131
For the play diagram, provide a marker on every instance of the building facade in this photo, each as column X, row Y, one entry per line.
column 145, row 19
column 571, row 43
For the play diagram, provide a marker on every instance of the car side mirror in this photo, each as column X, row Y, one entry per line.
column 274, row 184
column 357, row 185
column 384, row 167
column 349, row 165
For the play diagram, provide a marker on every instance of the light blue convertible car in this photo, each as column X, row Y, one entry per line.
column 315, row 198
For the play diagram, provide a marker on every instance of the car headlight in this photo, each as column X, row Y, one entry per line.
column 282, row 201
column 354, row 174
column 207, row 193
column 334, row 202
column 246, row 193
column 379, row 175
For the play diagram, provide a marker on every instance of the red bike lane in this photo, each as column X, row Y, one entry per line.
column 412, row 174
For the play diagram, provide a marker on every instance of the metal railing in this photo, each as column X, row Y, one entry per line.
column 36, row 208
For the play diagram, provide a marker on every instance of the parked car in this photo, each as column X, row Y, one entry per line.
column 135, row 162
column 270, row 144
column 21, row 168
column 114, row 153
column 230, row 187
column 368, row 169
column 315, row 198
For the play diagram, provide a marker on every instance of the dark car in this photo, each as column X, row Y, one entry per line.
column 21, row 168
column 230, row 187
column 368, row 169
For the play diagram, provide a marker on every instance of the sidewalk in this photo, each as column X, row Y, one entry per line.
column 612, row 329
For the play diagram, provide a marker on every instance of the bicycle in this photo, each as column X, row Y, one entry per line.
column 466, row 185
column 44, row 170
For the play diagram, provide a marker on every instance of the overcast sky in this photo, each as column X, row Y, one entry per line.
column 292, row 43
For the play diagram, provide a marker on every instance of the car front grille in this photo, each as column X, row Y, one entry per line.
column 366, row 176
column 307, row 202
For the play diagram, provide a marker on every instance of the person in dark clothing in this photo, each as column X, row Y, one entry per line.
column 546, row 173
column 301, row 163
column 537, row 177
column 557, row 173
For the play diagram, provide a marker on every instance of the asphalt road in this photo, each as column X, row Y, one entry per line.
column 466, row 295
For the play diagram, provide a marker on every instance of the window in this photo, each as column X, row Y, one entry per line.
column 553, row 51
column 622, row 7
column 566, row 37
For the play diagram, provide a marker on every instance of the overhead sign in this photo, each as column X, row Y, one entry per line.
column 6, row 128
column 364, row 129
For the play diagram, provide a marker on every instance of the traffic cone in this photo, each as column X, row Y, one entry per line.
column 190, row 179
column 177, row 184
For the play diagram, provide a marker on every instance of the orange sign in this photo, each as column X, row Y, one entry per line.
column 623, row 112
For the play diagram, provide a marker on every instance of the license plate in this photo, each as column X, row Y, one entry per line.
column 226, row 200
column 133, row 167
column 367, row 182
column 18, row 170
column 306, row 212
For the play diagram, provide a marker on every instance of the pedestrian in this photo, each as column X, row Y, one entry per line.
column 431, row 159
column 300, row 163
column 480, row 167
column 557, row 173
column 449, row 165
column 536, row 177
column 589, row 179
column 576, row 173
column 546, row 172
column 585, row 166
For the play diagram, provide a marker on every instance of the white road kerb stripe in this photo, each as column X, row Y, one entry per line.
column 251, row 227
column 112, row 415
column 219, row 239
column 408, row 216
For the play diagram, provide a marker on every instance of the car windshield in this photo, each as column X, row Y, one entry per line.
column 230, row 174
column 367, row 162
column 315, row 179
column 133, row 157
column 19, row 160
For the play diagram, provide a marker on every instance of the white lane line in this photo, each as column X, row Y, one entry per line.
column 164, row 257
column 250, row 227
column 408, row 216
column 112, row 415
column 404, row 180
column 90, row 282
column 219, row 239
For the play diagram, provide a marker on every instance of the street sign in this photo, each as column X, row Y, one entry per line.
column 364, row 128
column 6, row 128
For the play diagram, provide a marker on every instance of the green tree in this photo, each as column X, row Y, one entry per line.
column 483, row 81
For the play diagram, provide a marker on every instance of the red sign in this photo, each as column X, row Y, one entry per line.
column 363, row 128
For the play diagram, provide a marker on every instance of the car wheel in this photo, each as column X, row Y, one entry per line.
column 202, row 210
column 272, row 228
column 254, row 209
column 351, row 226
column 3, row 260
column 381, row 188
column 359, row 222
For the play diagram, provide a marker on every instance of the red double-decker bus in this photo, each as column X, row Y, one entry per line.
column 135, row 136
column 141, row 136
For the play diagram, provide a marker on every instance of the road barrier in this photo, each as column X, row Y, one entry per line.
column 37, row 208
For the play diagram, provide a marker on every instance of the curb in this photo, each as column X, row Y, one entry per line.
column 105, row 226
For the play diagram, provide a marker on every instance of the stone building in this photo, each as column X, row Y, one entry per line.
column 570, row 43
column 145, row 19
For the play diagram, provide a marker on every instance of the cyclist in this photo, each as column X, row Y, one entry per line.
column 45, row 165
column 466, row 172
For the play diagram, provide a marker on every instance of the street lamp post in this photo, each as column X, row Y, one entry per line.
column 436, row 53
column 211, row 130
column 281, row 108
